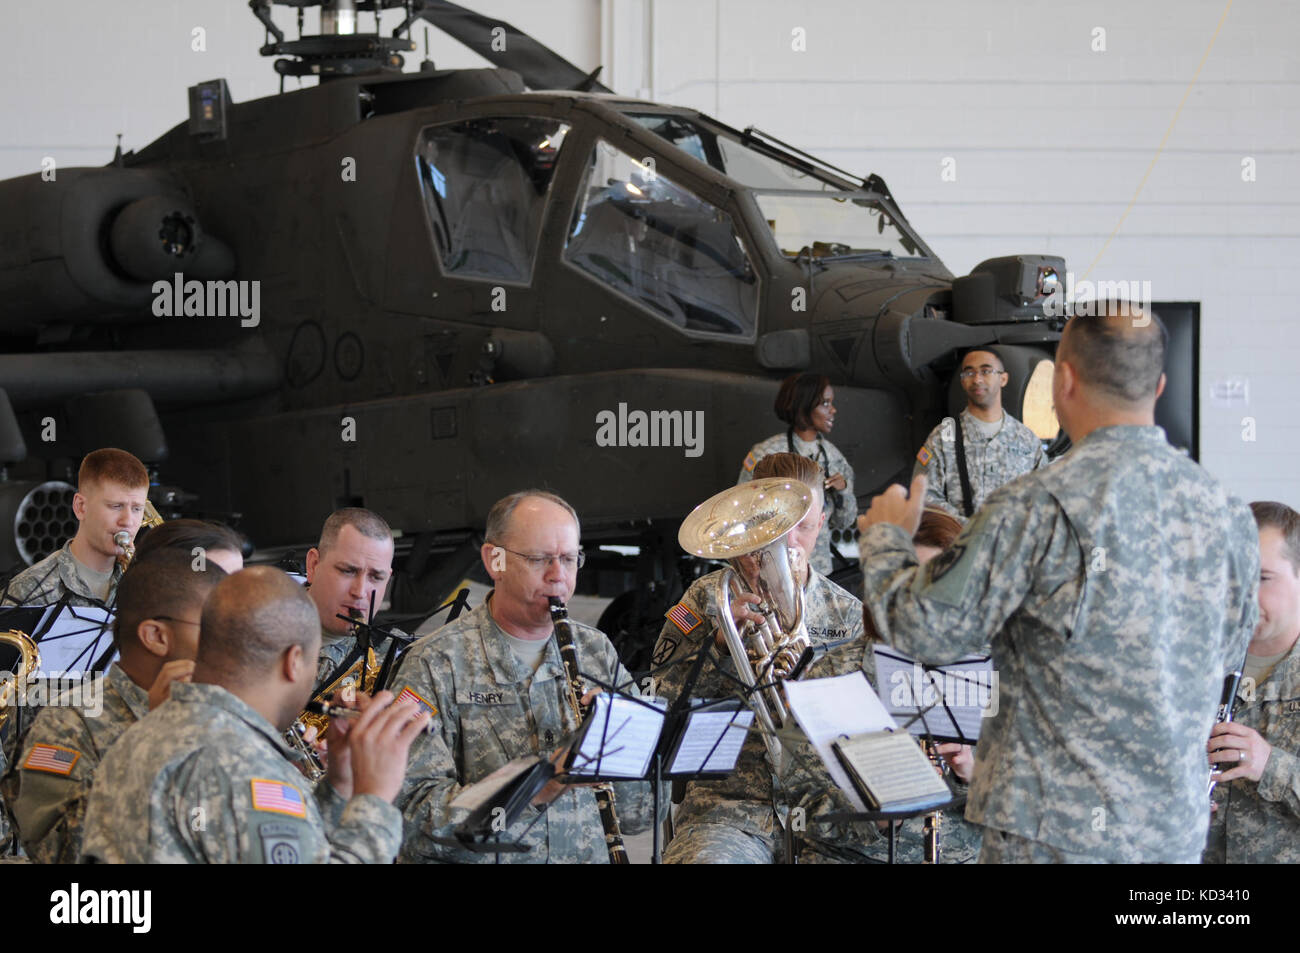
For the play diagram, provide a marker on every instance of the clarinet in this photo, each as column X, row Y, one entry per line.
column 1227, row 707
column 604, row 792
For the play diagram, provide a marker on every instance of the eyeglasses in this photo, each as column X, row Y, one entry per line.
column 167, row 618
column 968, row 372
column 569, row 561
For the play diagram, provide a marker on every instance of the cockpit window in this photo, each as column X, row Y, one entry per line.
column 662, row 246
column 485, row 183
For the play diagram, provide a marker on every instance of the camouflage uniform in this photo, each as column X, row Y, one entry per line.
column 491, row 710
column 49, row 801
column 1258, row 822
column 334, row 650
column 1015, row 450
column 841, row 505
column 740, row 819
column 206, row 779
column 45, row 583
column 1119, row 585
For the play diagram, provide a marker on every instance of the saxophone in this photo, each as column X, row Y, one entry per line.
column 29, row 663
column 124, row 539
column 575, row 690
column 359, row 677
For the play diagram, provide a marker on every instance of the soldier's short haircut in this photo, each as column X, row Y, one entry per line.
column 937, row 529
column 983, row 350
column 187, row 534
column 251, row 618
column 111, row 465
column 498, row 518
column 1286, row 521
column 798, row 398
column 1118, row 352
column 366, row 522
column 794, row 466
column 163, row 582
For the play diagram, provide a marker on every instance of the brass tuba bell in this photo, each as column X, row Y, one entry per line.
column 747, row 526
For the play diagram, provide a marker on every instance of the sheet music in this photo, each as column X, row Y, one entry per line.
column 630, row 731
column 831, row 708
column 74, row 639
column 893, row 767
column 485, row 789
column 700, row 750
column 967, row 686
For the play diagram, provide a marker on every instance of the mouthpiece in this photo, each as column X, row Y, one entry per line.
column 122, row 538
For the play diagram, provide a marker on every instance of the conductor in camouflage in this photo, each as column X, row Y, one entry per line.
column 1257, row 800
column 207, row 777
column 1118, row 586
column 496, row 685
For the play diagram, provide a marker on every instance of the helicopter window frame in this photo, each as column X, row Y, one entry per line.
column 493, row 195
column 631, row 203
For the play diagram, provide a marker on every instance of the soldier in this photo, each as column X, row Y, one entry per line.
column 1257, row 808
column 350, row 565
column 806, row 402
column 156, row 634
column 1117, row 586
column 995, row 447
column 741, row 818
column 205, row 541
column 112, row 489
column 207, row 777
column 496, row 683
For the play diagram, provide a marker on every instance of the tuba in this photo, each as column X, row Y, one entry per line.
column 125, row 540
column 747, row 526
column 28, row 664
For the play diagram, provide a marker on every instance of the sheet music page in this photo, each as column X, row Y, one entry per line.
column 484, row 790
column 968, row 686
column 830, row 708
column 630, row 731
column 703, row 729
column 75, row 640
column 893, row 767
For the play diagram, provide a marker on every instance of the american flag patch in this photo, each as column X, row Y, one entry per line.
column 278, row 798
column 51, row 758
column 419, row 700
column 751, row 461
column 683, row 618
column 925, row 456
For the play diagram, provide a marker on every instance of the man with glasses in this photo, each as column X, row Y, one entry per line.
column 966, row 459
column 496, row 686
column 156, row 634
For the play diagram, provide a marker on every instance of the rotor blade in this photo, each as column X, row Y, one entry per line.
column 540, row 67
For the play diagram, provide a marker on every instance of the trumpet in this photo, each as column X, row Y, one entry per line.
column 747, row 525
column 127, row 542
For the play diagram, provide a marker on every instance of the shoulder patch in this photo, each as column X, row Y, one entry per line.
column 279, row 843
column 53, row 759
column 418, row 699
column 277, row 797
column 751, row 461
column 924, row 456
column 681, row 616
column 663, row 651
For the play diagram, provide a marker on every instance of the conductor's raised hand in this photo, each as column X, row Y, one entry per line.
column 897, row 506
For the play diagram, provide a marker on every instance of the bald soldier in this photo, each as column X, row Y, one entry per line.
column 497, row 686
column 207, row 777
column 1117, row 587
column 156, row 634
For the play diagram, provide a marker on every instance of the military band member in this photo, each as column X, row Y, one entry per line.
column 496, row 683
column 997, row 447
column 156, row 634
column 741, row 819
column 806, row 402
column 112, row 489
column 205, row 541
column 207, row 777
column 350, row 565
column 1257, row 799
column 1117, row 587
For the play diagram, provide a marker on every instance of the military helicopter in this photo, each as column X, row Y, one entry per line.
column 418, row 291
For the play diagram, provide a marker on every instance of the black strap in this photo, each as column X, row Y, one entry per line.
column 967, row 496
